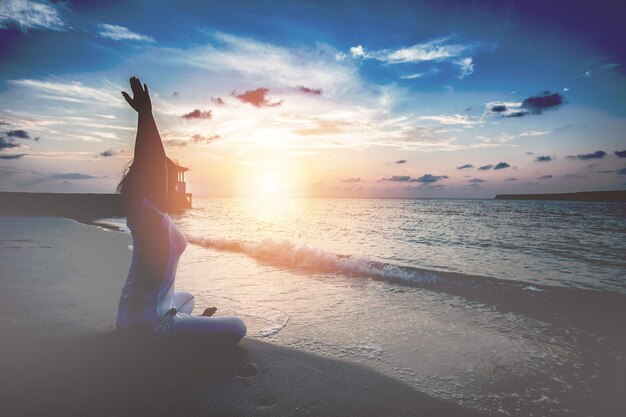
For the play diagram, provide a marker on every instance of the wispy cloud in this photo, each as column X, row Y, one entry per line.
column 465, row 166
column 353, row 180
column 121, row 33
column 453, row 119
column 543, row 158
column 436, row 50
column 75, row 91
column 25, row 15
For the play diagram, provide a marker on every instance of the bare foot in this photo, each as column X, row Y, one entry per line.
column 209, row 312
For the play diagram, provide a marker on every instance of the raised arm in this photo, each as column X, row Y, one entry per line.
column 149, row 177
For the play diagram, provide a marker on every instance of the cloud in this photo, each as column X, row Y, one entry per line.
column 436, row 50
column 530, row 105
column 257, row 98
column 11, row 156
column 502, row 165
column 620, row 154
column 485, row 167
column 197, row 138
column 477, row 180
column 307, row 90
column 218, row 100
column 121, row 33
column 353, row 180
column 616, row 171
column 25, row 15
column 452, row 119
column 73, row 92
column 401, row 161
column 511, row 179
column 71, row 176
column 586, row 156
column 466, row 65
column 544, row 101
column 198, row 114
column 22, row 134
column 204, row 139
column 426, row 178
column 7, row 143
column 465, row 166
column 543, row 158
column 545, row 177
column 595, row 164
column 533, row 133
column 107, row 153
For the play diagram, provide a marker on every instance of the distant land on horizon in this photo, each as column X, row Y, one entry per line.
column 616, row 195
column 91, row 206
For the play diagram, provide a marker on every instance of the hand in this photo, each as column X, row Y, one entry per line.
column 141, row 98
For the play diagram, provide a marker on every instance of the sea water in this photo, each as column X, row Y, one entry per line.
column 508, row 307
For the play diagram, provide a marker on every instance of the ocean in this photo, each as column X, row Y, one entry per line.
column 508, row 307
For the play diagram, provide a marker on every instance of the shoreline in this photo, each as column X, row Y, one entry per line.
column 58, row 307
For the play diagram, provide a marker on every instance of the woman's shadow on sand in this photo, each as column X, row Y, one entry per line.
column 106, row 374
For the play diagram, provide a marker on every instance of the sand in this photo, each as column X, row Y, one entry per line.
column 60, row 354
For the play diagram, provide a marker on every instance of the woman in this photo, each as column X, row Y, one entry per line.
column 148, row 304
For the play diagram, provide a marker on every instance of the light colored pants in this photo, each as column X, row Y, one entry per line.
column 181, row 324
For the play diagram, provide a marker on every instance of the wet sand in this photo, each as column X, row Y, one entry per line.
column 60, row 354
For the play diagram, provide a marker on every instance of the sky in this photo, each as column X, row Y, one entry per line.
column 450, row 99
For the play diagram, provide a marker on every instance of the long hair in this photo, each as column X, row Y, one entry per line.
column 124, row 185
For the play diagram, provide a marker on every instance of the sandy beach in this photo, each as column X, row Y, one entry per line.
column 61, row 355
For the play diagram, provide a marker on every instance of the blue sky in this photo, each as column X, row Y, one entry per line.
column 318, row 98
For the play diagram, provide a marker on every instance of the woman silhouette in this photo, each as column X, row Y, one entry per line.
column 148, row 304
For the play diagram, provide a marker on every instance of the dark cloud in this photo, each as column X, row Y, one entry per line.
column 19, row 133
column 352, row 180
column 307, row 90
column 465, row 166
column 530, row 105
column 511, row 179
column 107, row 153
column 426, row 178
column 575, row 176
column 485, row 167
column 545, row 177
column 198, row 114
column 586, row 156
column 31, row 182
column 592, row 165
column 530, row 153
column 66, row 183
column 217, row 100
column 531, row 183
column 71, row 176
column 401, row 161
column 544, row 101
column 543, row 158
column 257, row 97
column 477, row 180
column 620, row 154
column 12, row 156
column 502, row 165
column 7, row 143
column 175, row 94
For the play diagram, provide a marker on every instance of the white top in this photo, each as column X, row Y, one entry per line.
column 149, row 292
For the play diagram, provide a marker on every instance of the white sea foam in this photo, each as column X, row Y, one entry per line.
column 303, row 257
